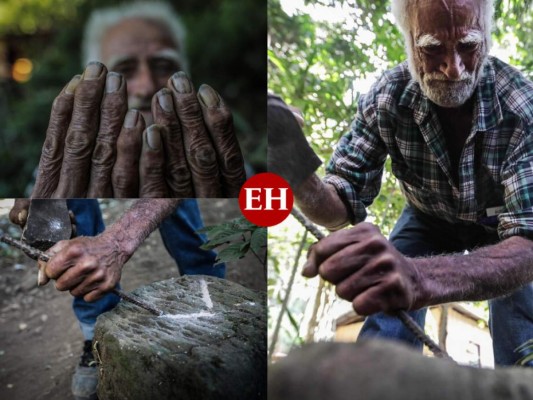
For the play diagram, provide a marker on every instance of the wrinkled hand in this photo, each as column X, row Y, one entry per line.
column 202, row 155
column 79, row 150
column 86, row 266
column 366, row 270
column 95, row 147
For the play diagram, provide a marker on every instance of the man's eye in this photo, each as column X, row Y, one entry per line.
column 432, row 50
column 127, row 70
column 467, row 47
column 164, row 68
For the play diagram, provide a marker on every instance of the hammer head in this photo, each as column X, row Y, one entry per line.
column 48, row 222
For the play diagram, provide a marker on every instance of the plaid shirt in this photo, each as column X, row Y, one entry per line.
column 495, row 169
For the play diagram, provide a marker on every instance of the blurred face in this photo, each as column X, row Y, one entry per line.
column 145, row 54
column 448, row 49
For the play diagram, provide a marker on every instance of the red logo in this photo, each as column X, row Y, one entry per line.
column 266, row 199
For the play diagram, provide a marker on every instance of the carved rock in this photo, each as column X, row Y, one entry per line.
column 210, row 344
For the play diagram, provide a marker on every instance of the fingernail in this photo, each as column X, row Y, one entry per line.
column 71, row 87
column 92, row 70
column 153, row 137
column 165, row 100
column 113, row 82
column 181, row 82
column 208, row 96
column 42, row 279
column 23, row 216
column 305, row 268
column 131, row 119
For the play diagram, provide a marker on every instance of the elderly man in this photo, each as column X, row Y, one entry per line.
column 96, row 147
column 457, row 126
column 89, row 265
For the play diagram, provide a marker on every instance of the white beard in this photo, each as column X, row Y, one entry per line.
column 449, row 93
column 442, row 91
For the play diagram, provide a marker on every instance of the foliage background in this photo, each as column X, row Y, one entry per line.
column 225, row 45
column 321, row 56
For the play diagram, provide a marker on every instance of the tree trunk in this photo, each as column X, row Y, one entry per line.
column 313, row 322
column 443, row 326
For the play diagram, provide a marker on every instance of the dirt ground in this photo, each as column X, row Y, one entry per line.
column 40, row 342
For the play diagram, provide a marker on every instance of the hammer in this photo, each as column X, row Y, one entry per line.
column 49, row 222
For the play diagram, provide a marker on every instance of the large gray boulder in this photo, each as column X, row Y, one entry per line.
column 209, row 344
column 382, row 370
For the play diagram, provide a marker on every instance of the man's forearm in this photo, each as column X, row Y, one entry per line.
column 141, row 219
column 321, row 203
column 485, row 273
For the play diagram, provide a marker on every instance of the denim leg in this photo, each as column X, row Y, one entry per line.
column 178, row 232
column 413, row 236
column 511, row 324
column 89, row 222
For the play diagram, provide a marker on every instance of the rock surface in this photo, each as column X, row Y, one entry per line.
column 376, row 369
column 210, row 344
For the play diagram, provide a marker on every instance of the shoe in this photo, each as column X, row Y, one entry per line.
column 85, row 378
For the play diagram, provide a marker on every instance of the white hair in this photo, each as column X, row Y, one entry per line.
column 102, row 19
column 401, row 9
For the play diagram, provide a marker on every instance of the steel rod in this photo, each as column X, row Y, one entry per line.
column 37, row 254
column 407, row 320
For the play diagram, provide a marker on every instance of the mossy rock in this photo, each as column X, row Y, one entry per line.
column 377, row 369
column 210, row 344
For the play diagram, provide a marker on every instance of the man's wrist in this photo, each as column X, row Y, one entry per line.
column 421, row 293
column 141, row 219
column 122, row 243
column 321, row 203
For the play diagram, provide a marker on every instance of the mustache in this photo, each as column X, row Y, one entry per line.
column 465, row 77
column 140, row 103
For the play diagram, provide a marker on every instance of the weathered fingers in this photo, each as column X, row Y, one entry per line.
column 219, row 123
column 177, row 172
column 152, row 164
column 199, row 150
column 81, row 134
column 125, row 174
column 52, row 153
column 113, row 109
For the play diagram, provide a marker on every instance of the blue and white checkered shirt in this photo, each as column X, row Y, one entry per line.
column 495, row 168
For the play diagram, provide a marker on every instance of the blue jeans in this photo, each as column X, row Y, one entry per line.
column 420, row 235
column 179, row 237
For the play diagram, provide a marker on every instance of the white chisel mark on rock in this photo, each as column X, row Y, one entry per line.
column 205, row 294
column 189, row 316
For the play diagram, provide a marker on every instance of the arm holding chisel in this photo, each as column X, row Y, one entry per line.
column 92, row 266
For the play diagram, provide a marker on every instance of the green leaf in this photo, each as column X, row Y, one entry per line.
column 231, row 253
column 258, row 239
column 524, row 346
column 222, row 238
column 524, row 360
column 245, row 247
column 276, row 61
column 293, row 321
